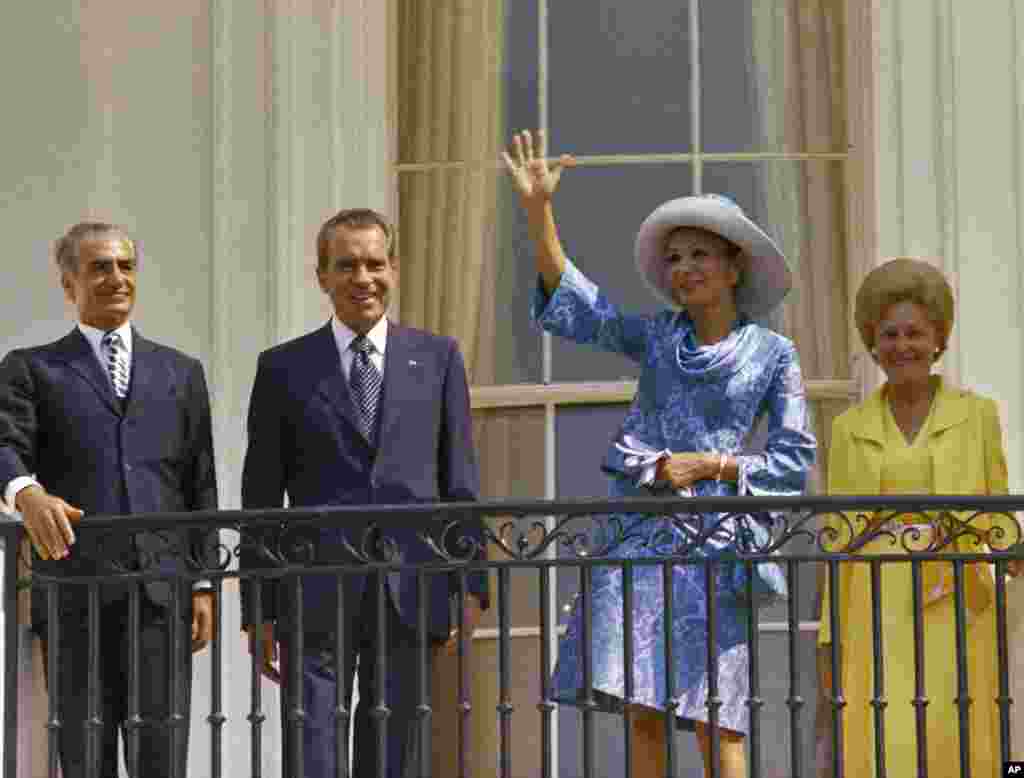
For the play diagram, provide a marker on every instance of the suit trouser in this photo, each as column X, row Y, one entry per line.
column 319, row 685
column 155, row 747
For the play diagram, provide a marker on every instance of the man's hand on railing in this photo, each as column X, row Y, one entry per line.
column 270, row 657
column 48, row 521
column 202, row 619
column 471, row 613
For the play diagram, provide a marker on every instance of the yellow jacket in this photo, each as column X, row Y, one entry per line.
column 966, row 447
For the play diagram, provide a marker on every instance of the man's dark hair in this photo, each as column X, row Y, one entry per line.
column 353, row 219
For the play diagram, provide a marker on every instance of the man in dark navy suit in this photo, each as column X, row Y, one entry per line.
column 104, row 421
column 362, row 411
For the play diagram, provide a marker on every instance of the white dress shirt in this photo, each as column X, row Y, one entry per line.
column 95, row 338
column 378, row 337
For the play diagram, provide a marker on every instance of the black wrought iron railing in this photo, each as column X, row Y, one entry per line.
column 959, row 534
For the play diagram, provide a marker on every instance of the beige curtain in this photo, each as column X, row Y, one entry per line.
column 450, row 110
column 798, row 59
column 797, row 64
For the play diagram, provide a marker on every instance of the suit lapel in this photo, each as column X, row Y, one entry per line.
column 870, row 425
column 79, row 356
column 869, row 429
column 148, row 375
column 331, row 383
column 398, row 367
column 951, row 410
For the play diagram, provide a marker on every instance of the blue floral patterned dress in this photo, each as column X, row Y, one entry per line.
column 690, row 398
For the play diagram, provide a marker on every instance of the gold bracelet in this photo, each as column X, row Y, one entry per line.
column 721, row 467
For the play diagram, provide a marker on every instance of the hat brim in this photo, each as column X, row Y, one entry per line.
column 766, row 278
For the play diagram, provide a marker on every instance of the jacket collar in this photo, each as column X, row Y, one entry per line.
column 76, row 350
column 950, row 410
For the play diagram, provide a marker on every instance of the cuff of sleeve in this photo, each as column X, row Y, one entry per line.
column 572, row 282
column 744, row 466
column 14, row 486
column 202, row 586
column 650, row 472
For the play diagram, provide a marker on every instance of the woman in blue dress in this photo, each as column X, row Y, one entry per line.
column 710, row 374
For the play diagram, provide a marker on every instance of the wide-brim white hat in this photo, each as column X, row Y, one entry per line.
column 765, row 278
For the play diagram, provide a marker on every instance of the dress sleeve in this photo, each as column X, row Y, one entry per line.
column 996, row 476
column 577, row 310
column 1005, row 529
column 782, row 468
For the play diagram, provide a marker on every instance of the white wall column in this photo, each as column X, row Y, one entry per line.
column 330, row 136
column 951, row 187
column 950, row 180
column 223, row 132
column 301, row 130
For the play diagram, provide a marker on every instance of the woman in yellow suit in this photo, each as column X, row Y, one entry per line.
column 915, row 435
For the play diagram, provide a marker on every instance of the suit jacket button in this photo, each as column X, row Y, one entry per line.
column 127, row 468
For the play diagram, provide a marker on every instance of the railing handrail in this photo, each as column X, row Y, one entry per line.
column 328, row 515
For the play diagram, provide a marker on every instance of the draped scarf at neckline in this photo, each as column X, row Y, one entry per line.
column 719, row 360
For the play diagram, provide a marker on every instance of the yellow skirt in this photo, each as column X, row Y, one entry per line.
column 942, row 717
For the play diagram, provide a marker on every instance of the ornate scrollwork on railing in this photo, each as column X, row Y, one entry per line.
column 920, row 531
column 528, row 537
column 461, row 535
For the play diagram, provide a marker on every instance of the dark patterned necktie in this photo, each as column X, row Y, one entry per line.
column 365, row 381
column 118, row 367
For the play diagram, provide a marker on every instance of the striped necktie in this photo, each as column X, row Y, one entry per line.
column 118, row 366
column 365, row 381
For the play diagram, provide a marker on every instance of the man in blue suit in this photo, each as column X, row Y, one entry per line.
column 360, row 412
column 104, row 421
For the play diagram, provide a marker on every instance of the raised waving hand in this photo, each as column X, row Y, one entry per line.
column 535, row 181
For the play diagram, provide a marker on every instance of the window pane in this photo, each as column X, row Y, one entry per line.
column 619, row 77
column 467, row 270
column 520, row 77
column 599, row 211
column 772, row 76
column 582, row 435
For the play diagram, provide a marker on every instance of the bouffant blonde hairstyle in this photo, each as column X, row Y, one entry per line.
column 904, row 280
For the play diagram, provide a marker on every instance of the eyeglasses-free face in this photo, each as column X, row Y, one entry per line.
column 358, row 276
column 906, row 342
column 701, row 268
column 102, row 286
